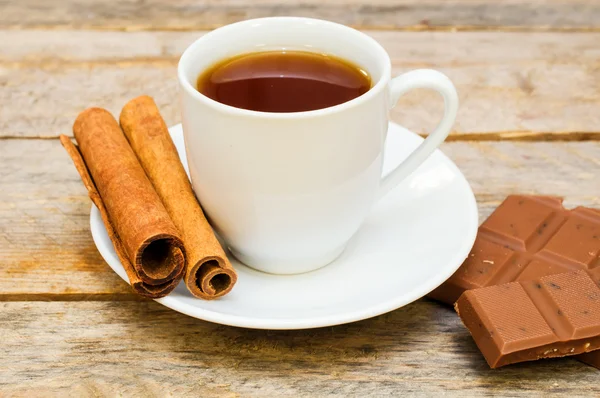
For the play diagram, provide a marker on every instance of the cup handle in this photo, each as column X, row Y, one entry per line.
column 421, row 78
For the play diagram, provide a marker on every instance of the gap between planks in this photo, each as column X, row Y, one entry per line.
column 6, row 297
column 495, row 136
column 410, row 28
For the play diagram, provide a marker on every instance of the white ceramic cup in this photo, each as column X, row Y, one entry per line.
column 286, row 191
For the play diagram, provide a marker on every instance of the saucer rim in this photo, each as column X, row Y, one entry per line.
column 245, row 321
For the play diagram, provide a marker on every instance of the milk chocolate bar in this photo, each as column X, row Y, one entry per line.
column 551, row 316
column 526, row 238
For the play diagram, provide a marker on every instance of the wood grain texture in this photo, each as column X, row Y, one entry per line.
column 396, row 14
column 46, row 250
column 143, row 349
column 45, row 241
column 68, row 323
column 547, row 87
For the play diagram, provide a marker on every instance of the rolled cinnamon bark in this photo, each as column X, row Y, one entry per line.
column 145, row 239
column 208, row 272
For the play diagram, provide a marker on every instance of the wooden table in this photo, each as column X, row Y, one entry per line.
column 528, row 74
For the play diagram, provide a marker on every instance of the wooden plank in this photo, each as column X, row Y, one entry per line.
column 47, row 251
column 397, row 14
column 546, row 87
column 143, row 349
column 45, row 242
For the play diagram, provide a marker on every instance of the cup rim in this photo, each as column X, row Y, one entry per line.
column 373, row 91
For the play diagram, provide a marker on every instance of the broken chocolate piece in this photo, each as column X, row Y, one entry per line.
column 528, row 237
column 552, row 316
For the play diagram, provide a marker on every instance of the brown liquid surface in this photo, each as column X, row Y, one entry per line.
column 283, row 81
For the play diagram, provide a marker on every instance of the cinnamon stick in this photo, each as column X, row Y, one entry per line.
column 208, row 272
column 145, row 239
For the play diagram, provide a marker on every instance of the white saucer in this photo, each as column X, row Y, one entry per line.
column 413, row 240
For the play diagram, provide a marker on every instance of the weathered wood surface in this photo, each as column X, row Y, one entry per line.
column 69, row 325
column 47, row 252
column 547, row 86
column 92, row 349
column 389, row 14
column 45, row 241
